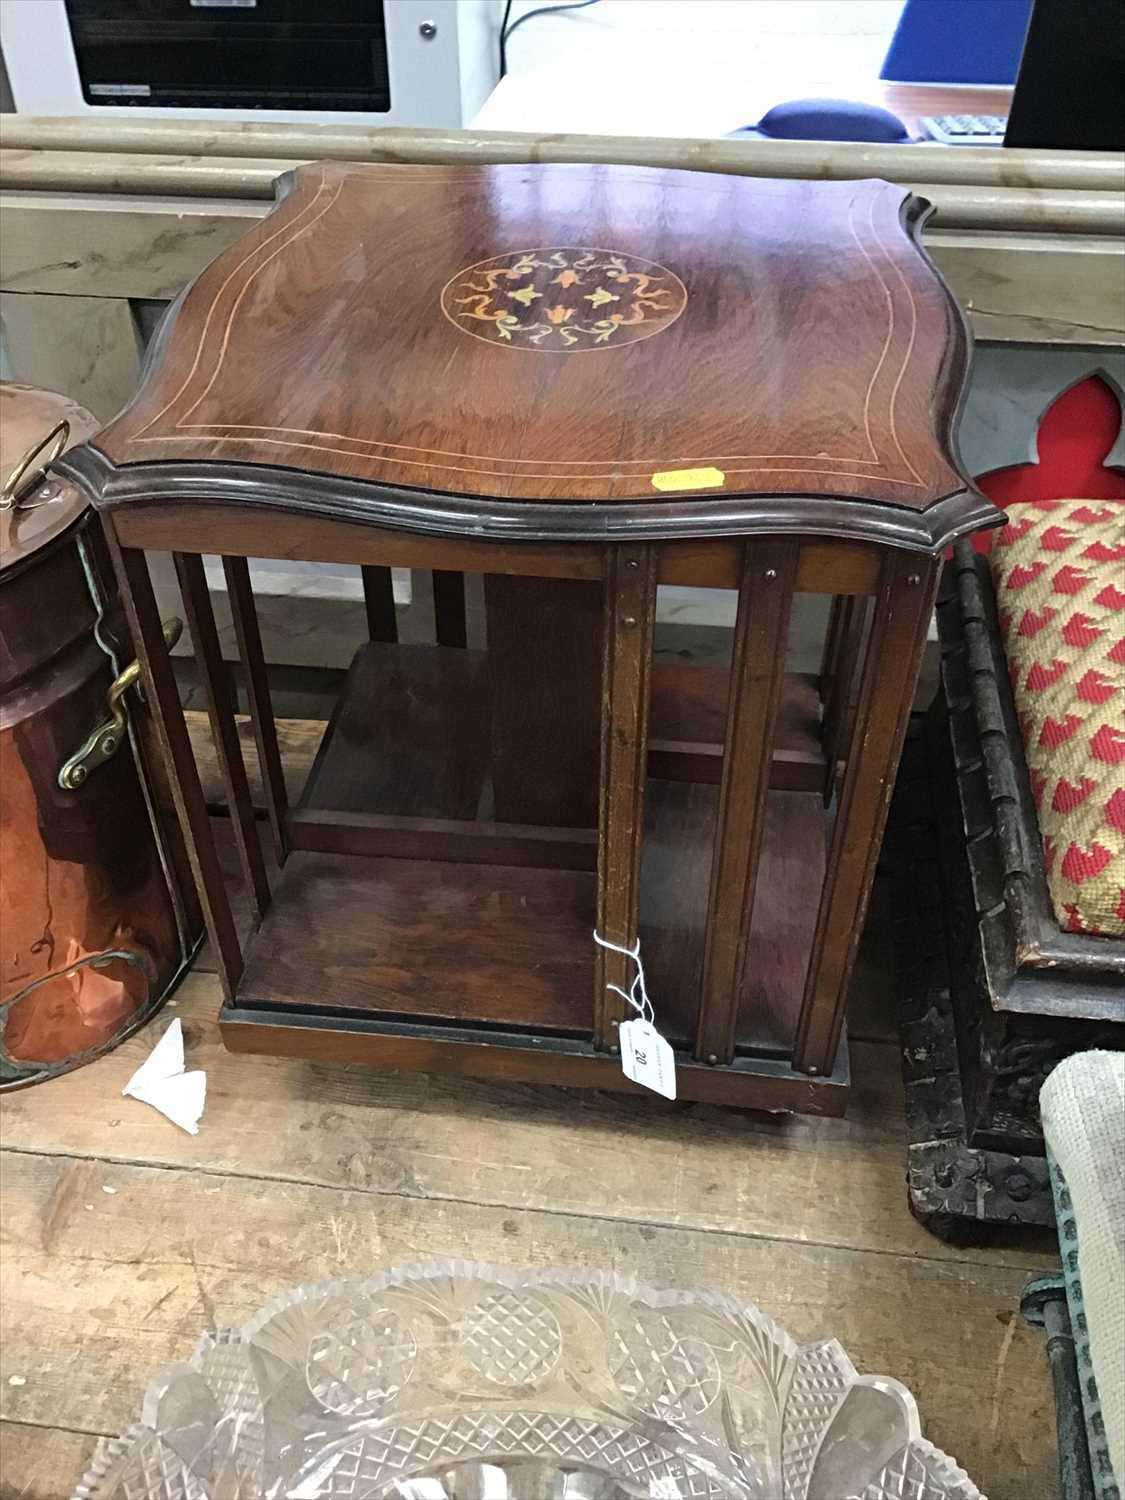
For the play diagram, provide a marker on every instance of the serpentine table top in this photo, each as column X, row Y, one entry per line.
column 706, row 354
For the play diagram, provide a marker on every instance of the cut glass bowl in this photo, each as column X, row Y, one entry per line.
column 460, row 1381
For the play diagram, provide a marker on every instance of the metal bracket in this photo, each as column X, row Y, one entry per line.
column 107, row 738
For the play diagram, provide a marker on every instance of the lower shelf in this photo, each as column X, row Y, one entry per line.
column 498, row 945
column 427, row 940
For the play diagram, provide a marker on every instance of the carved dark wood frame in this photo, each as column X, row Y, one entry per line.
column 1031, row 964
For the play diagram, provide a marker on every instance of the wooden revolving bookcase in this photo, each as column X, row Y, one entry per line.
column 582, row 383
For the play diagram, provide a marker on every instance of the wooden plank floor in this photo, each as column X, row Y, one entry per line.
column 124, row 1238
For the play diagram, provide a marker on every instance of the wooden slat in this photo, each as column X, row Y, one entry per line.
column 245, row 617
column 378, row 836
column 757, row 670
column 898, row 632
column 629, row 619
column 838, row 689
column 832, row 640
column 379, row 602
column 450, row 626
column 164, row 699
column 220, row 709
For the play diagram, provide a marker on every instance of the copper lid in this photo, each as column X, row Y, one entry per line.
column 46, row 508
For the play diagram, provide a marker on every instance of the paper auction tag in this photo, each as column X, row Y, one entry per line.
column 646, row 1058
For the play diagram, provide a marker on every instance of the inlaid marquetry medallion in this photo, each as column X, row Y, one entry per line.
column 563, row 301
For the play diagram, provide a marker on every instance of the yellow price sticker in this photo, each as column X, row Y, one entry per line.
column 688, row 479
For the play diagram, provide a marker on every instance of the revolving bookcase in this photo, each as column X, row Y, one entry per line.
column 580, row 383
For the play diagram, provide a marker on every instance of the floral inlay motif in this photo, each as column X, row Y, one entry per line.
column 561, row 301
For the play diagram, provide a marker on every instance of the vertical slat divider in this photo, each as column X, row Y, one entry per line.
column 379, row 601
column 183, row 775
column 903, row 606
column 450, row 625
column 757, row 674
column 838, row 689
column 220, row 709
column 832, row 639
column 630, row 613
column 240, row 592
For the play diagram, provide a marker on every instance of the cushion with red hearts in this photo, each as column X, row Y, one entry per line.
column 1059, row 571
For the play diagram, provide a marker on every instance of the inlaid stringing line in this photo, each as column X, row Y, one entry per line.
column 222, row 429
column 501, row 474
column 906, row 361
column 304, row 229
column 890, row 301
column 245, row 261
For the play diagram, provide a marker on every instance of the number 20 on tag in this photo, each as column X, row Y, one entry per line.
column 646, row 1058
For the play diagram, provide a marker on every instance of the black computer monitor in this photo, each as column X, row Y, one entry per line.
column 1070, row 92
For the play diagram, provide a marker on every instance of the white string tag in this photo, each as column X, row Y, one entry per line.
column 646, row 1056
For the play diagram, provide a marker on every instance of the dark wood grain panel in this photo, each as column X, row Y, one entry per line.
column 313, row 537
column 455, row 328
column 823, row 568
column 426, row 940
column 675, row 876
column 544, row 665
column 409, row 737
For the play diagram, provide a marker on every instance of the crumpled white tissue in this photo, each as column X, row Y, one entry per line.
column 161, row 1081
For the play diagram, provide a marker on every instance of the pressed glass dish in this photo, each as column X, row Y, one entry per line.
column 455, row 1380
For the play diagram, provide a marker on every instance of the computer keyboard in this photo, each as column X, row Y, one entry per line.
column 966, row 130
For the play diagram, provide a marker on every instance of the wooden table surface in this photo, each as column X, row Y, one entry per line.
column 124, row 1238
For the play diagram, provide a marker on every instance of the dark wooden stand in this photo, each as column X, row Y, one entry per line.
column 991, row 994
column 379, row 375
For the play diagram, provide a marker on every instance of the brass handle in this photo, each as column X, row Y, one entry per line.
column 14, row 487
column 107, row 738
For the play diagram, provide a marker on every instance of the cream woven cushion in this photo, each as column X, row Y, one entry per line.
column 1083, row 1108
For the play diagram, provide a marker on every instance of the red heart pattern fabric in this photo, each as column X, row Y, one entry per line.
column 1059, row 570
